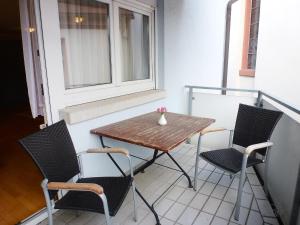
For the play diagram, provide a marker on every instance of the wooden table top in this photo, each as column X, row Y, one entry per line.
column 144, row 130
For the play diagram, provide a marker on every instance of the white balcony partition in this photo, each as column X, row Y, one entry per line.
column 222, row 108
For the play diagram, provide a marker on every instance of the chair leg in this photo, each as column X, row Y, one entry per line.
column 241, row 186
column 135, row 216
column 266, row 172
column 105, row 206
column 133, row 189
column 197, row 163
column 48, row 201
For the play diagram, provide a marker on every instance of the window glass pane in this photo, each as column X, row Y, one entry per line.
column 84, row 28
column 134, row 29
column 254, row 27
column 255, row 3
column 252, row 46
column 254, row 30
column 252, row 61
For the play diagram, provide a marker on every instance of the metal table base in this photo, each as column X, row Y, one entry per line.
column 146, row 165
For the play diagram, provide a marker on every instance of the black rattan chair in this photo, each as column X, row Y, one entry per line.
column 253, row 129
column 53, row 152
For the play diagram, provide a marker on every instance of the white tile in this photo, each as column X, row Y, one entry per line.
column 254, row 218
column 83, row 218
column 247, row 187
column 231, row 195
column 183, row 182
column 202, row 163
column 246, row 200
column 191, row 162
column 259, row 192
column 200, row 184
column 141, row 214
column 55, row 221
column 225, row 180
column 165, row 221
column 163, row 206
column 235, row 183
column 204, row 174
column 66, row 216
column 211, row 205
column 203, row 219
column 243, row 216
column 148, row 220
column 253, row 179
column 187, row 196
column 123, row 213
column 188, row 216
column 254, row 205
column 219, row 171
column 207, row 188
column 191, row 172
column 98, row 219
column 219, row 192
column 225, row 210
column 175, row 211
column 272, row 221
column 199, row 201
column 250, row 170
column 219, row 221
column 188, row 167
column 175, row 193
column 265, row 208
column 214, row 178
column 210, row 167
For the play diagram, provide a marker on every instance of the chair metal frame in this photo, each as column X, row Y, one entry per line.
column 248, row 150
column 50, row 203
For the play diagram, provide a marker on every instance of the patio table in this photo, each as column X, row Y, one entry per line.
column 144, row 130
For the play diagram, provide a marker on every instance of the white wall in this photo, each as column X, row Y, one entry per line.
column 194, row 40
column 234, row 80
column 278, row 70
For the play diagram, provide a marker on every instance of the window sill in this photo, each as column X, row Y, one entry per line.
column 247, row 72
column 91, row 110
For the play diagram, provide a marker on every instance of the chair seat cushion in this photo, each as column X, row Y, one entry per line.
column 228, row 159
column 115, row 189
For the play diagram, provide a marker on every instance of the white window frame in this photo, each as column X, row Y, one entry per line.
column 69, row 97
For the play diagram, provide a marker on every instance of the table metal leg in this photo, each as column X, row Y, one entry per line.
column 182, row 170
column 147, row 164
column 197, row 163
column 116, row 164
column 149, row 206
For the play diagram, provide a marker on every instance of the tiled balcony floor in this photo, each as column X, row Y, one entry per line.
column 213, row 202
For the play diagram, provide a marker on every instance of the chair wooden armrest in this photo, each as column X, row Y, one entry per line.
column 210, row 130
column 254, row 147
column 109, row 150
column 97, row 189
